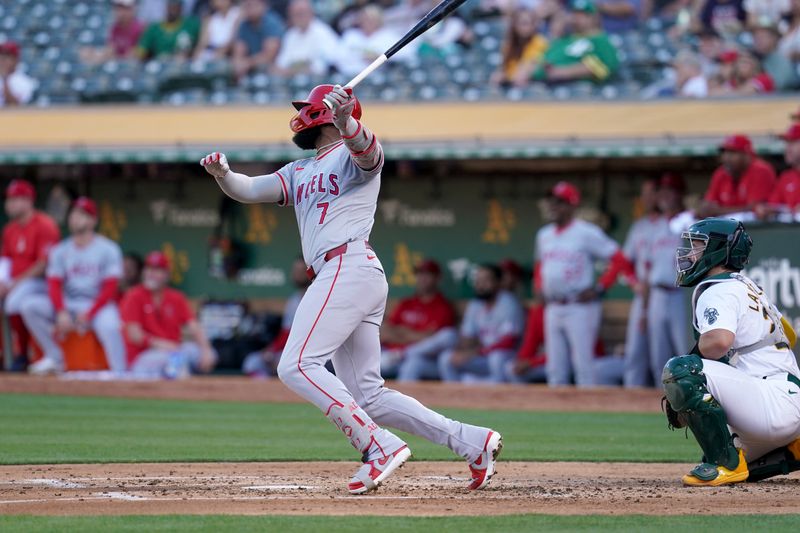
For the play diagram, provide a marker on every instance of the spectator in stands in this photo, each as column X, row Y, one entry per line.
column 523, row 49
column 790, row 43
column 690, row 82
column 218, row 33
column 27, row 239
column 750, row 76
column 490, row 333
column 785, row 197
column 404, row 14
column 725, row 80
column 264, row 363
column 309, row 46
column 363, row 44
column 419, row 329
column 259, row 38
column 83, row 273
column 445, row 38
column 585, row 54
column 155, row 317
column 727, row 17
column 132, row 264
column 778, row 66
column 175, row 36
column 710, row 46
column 16, row 87
column 740, row 183
column 766, row 11
column 350, row 15
column 123, row 36
column 619, row 16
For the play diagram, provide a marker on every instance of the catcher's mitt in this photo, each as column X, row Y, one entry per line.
column 675, row 419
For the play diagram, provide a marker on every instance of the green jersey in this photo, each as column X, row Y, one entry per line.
column 170, row 38
column 594, row 51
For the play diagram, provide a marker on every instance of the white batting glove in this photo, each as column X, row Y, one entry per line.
column 342, row 103
column 216, row 164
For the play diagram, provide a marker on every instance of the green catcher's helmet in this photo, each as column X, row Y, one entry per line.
column 711, row 242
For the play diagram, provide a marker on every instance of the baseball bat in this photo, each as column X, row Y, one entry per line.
column 428, row 21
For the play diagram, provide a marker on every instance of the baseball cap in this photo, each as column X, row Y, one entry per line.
column 737, row 143
column 86, row 205
column 792, row 134
column 672, row 181
column 728, row 56
column 20, row 188
column 511, row 266
column 566, row 192
column 157, row 259
column 584, row 6
column 428, row 265
column 9, row 48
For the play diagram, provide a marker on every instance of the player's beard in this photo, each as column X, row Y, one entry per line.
column 307, row 139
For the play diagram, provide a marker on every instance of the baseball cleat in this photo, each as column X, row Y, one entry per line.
column 708, row 475
column 45, row 366
column 482, row 468
column 372, row 473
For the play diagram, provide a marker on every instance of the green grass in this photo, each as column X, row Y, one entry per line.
column 459, row 524
column 61, row 429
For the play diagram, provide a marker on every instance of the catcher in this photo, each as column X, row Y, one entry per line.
column 738, row 389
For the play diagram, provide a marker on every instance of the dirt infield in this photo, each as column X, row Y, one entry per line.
column 514, row 397
column 419, row 489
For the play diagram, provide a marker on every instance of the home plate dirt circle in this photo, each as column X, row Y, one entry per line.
column 420, row 488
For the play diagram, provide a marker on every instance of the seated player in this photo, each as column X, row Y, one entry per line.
column 490, row 332
column 739, row 384
column 419, row 329
column 264, row 363
column 83, row 272
column 155, row 317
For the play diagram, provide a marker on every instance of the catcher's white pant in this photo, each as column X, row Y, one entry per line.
column 764, row 413
column 570, row 336
column 339, row 318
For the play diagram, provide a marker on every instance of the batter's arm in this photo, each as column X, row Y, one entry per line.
column 269, row 188
column 363, row 145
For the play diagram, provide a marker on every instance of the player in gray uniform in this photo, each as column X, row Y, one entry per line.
column 334, row 195
column 566, row 250
column 666, row 306
column 637, row 364
column 83, row 273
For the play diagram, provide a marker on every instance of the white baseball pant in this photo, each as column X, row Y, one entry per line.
column 21, row 292
column 764, row 413
column 339, row 318
column 637, row 358
column 666, row 328
column 570, row 335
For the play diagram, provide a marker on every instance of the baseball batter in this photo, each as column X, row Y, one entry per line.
column 334, row 195
column 635, row 249
column 738, row 389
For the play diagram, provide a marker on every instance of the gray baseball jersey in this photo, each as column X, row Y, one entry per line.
column 84, row 269
column 492, row 323
column 637, row 243
column 663, row 244
column 566, row 256
column 334, row 200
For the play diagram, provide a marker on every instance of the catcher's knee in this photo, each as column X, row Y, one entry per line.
column 684, row 382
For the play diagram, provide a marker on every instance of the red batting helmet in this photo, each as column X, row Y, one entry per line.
column 312, row 111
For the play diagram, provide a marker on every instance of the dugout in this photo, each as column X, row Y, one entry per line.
column 462, row 184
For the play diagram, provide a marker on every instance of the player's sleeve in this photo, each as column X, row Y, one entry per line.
column 469, row 326
column 55, row 263
column 364, row 150
column 765, row 185
column 268, row 188
column 600, row 245
column 131, row 309
column 718, row 308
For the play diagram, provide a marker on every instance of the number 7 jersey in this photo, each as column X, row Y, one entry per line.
column 334, row 200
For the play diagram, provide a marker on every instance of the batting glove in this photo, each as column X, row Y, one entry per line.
column 216, row 164
column 342, row 103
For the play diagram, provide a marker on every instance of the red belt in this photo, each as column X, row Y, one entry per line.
column 331, row 254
